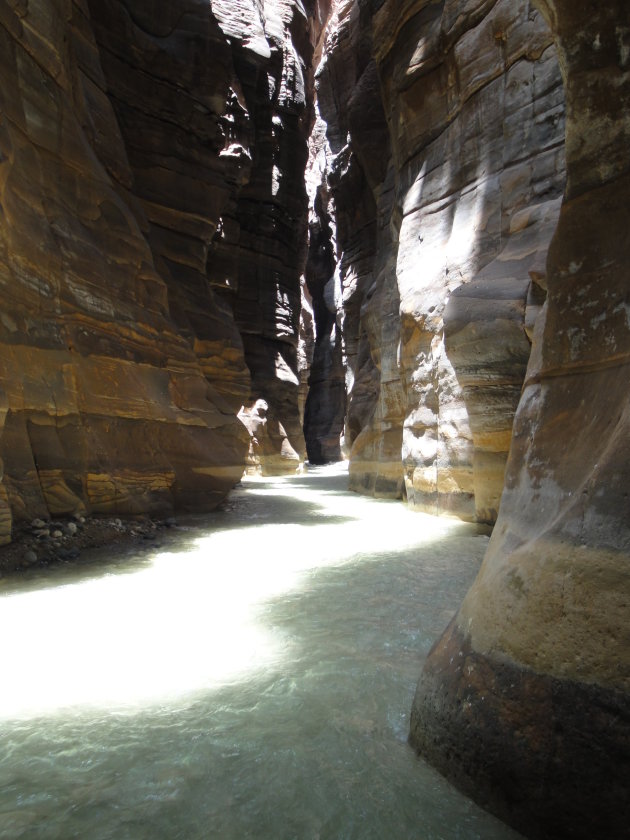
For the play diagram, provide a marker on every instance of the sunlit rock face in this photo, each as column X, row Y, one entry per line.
column 447, row 178
column 525, row 700
column 143, row 148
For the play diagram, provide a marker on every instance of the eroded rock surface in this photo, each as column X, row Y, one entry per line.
column 526, row 699
column 324, row 410
column 151, row 245
column 360, row 178
column 447, row 177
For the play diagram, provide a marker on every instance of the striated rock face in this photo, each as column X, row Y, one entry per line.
column 143, row 148
column 261, row 244
column 360, row 177
column 107, row 404
column 325, row 405
column 525, row 700
column 447, row 179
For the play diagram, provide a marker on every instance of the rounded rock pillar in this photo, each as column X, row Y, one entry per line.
column 525, row 700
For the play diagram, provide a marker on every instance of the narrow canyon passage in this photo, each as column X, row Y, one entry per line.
column 250, row 677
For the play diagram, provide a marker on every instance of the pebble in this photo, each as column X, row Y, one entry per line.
column 30, row 557
column 38, row 523
column 71, row 528
column 68, row 554
column 57, row 534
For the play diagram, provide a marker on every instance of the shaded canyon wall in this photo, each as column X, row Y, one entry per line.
column 152, row 236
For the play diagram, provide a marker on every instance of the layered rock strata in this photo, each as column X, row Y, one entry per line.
column 525, row 701
column 134, row 138
column 360, row 179
column 261, row 245
column 324, row 410
column 447, row 174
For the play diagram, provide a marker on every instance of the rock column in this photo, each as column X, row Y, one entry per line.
column 525, row 701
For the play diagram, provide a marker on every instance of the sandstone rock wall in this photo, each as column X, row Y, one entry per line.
column 526, row 699
column 264, row 229
column 143, row 148
column 325, row 405
column 360, row 178
column 447, row 180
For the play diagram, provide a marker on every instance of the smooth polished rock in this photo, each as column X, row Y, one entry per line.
column 446, row 174
column 525, row 701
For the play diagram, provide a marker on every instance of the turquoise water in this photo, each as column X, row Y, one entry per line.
column 250, row 678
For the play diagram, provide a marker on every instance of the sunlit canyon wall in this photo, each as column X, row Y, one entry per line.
column 446, row 168
column 152, row 237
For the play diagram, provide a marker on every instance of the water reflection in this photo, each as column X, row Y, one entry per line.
column 251, row 679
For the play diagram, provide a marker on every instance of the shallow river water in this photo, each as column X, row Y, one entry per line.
column 250, row 678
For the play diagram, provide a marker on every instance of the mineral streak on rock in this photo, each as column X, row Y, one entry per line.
column 134, row 137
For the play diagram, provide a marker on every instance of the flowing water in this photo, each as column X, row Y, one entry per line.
column 250, row 678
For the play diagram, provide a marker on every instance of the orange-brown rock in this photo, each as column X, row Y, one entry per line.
column 123, row 363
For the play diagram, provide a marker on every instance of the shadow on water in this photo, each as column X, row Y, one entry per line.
column 310, row 743
column 250, row 505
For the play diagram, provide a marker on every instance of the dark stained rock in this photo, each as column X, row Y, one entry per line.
column 549, row 755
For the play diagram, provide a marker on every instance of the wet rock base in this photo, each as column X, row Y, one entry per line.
column 549, row 756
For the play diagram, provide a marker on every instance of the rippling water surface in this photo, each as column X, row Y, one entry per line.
column 250, row 678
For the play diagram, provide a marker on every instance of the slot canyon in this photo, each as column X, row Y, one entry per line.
column 262, row 237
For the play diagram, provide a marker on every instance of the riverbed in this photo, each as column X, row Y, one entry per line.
column 251, row 677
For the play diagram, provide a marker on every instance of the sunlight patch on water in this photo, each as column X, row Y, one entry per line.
column 251, row 679
column 190, row 619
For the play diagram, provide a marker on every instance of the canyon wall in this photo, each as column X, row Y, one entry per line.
column 526, row 698
column 447, row 172
column 152, row 237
